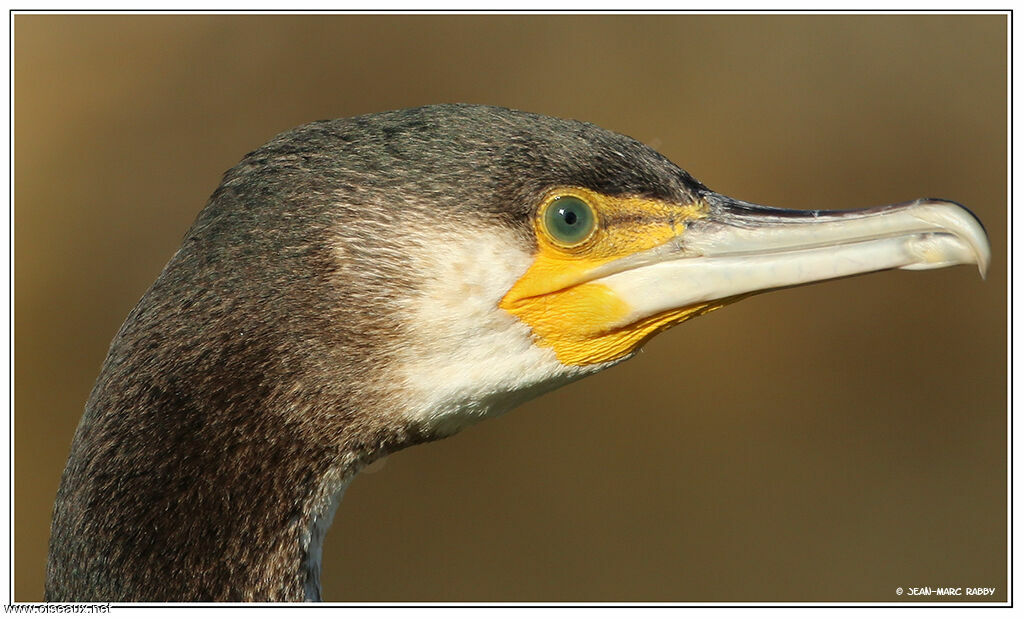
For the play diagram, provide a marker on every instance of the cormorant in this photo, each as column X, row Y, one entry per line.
column 357, row 286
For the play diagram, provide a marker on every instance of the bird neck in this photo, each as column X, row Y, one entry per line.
column 185, row 487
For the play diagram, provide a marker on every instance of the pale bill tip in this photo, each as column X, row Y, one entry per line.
column 959, row 237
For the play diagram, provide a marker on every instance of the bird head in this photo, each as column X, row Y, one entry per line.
column 509, row 253
column 449, row 262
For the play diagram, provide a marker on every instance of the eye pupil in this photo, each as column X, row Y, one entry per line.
column 569, row 220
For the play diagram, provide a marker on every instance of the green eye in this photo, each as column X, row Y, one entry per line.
column 569, row 220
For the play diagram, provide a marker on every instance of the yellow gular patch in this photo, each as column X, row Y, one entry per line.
column 574, row 314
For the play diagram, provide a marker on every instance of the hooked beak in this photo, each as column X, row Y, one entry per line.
column 740, row 249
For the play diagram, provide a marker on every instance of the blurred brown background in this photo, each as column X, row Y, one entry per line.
column 827, row 443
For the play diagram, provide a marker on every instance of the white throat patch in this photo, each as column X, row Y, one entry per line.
column 468, row 359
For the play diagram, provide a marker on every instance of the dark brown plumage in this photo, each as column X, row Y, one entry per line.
column 249, row 380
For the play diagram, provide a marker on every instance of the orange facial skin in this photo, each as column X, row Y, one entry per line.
column 565, row 304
